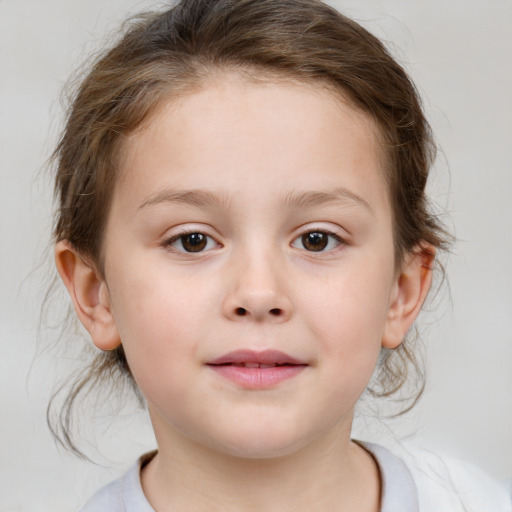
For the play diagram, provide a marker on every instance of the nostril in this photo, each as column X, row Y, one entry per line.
column 272, row 312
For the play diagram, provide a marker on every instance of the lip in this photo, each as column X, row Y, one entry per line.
column 266, row 370
column 252, row 356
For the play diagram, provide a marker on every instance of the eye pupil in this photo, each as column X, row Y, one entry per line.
column 194, row 242
column 315, row 241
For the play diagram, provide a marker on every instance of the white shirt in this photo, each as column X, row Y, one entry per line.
column 418, row 482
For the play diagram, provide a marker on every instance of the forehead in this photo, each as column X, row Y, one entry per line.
column 234, row 127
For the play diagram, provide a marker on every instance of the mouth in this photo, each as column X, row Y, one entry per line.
column 253, row 359
column 257, row 370
column 255, row 365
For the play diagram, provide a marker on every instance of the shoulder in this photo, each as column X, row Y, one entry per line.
column 446, row 483
column 109, row 498
column 122, row 495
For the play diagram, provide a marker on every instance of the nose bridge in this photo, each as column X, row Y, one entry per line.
column 257, row 289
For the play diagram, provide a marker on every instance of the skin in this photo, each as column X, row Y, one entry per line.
column 256, row 151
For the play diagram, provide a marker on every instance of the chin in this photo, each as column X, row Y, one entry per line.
column 265, row 443
column 259, row 451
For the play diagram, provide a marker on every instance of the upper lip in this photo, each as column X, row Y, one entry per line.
column 251, row 356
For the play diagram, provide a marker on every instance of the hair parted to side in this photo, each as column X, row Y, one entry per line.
column 169, row 54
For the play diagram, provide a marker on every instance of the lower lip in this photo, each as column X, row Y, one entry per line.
column 257, row 378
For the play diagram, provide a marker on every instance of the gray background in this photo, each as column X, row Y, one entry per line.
column 460, row 55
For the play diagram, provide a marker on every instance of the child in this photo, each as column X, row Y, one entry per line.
column 243, row 230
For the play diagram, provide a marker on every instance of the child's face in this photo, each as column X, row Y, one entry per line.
column 279, row 193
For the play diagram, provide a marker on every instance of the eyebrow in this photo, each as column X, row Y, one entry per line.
column 307, row 199
column 320, row 198
column 187, row 197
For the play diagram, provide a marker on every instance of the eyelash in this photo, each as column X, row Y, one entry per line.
column 330, row 235
column 180, row 236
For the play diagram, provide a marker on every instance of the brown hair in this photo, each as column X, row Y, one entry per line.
column 170, row 53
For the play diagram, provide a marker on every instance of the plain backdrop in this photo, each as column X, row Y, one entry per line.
column 459, row 52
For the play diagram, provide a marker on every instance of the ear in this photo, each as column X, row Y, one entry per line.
column 90, row 296
column 410, row 290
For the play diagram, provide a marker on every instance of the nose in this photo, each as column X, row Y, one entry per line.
column 257, row 292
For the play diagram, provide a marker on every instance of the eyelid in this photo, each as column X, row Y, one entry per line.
column 323, row 227
column 168, row 240
column 318, row 228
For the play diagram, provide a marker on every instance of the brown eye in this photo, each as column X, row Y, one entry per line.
column 193, row 242
column 315, row 241
column 318, row 241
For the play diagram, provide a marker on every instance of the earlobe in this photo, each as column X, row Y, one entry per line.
column 410, row 290
column 89, row 294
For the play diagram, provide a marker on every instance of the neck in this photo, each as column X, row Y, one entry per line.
column 329, row 474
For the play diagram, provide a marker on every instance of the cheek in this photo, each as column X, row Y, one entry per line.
column 160, row 328
column 353, row 309
column 347, row 316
